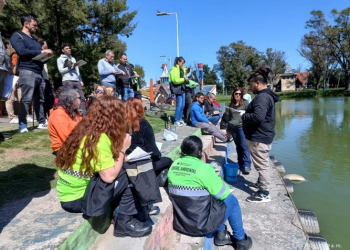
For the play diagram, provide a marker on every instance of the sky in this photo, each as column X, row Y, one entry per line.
column 206, row 25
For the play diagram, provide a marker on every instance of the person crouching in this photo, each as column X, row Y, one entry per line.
column 202, row 201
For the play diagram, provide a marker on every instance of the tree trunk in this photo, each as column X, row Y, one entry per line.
column 347, row 81
column 58, row 27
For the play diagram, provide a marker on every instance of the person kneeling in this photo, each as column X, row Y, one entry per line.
column 202, row 202
column 98, row 145
column 199, row 120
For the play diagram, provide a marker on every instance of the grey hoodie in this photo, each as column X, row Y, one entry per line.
column 68, row 73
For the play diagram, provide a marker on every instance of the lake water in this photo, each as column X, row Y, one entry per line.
column 313, row 140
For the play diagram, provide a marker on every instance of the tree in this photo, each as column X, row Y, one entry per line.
column 236, row 62
column 140, row 71
column 335, row 37
column 90, row 27
column 275, row 60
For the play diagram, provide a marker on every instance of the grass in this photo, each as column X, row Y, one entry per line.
column 27, row 164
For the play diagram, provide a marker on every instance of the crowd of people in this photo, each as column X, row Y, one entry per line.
column 94, row 141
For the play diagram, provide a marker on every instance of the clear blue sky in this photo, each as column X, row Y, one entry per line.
column 204, row 26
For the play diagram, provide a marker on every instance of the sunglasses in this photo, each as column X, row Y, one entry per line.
column 238, row 93
column 99, row 91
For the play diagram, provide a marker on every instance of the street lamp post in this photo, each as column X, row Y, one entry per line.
column 169, row 60
column 177, row 28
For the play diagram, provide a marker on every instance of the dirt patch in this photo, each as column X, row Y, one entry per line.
column 18, row 154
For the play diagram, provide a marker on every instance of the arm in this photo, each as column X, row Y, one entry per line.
column 150, row 141
column 60, row 64
column 62, row 126
column 175, row 76
column 110, row 174
column 199, row 116
column 18, row 44
column 260, row 106
column 104, row 68
column 213, row 183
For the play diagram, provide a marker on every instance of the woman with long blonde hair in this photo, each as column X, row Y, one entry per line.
column 97, row 145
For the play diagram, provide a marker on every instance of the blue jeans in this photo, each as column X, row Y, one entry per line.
column 243, row 153
column 180, row 104
column 126, row 93
column 234, row 216
column 214, row 119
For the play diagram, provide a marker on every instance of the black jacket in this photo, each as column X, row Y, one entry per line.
column 259, row 119
column 208, row 108
column 125, row 81
column 145, row 140
column 27, row 47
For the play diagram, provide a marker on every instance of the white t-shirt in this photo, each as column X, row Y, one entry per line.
column 248, row 97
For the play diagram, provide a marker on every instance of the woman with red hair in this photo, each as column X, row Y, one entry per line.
column 142, row 136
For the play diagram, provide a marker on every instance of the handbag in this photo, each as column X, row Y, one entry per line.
column 97, row 197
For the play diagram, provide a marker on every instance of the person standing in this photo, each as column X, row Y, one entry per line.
column 136, row 84
column 246, row 96
column 49, row 98
column 69, row 70
column 259, row 130
column 30, row 79
column 107, row 70
column 238, row 105
column 124, row 81
column 189, row 94
column 177, row 81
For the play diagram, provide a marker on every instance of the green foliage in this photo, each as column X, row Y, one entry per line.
column 275, row 60
column 91, row 27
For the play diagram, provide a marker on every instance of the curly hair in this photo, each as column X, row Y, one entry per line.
column 106, row 115
column 233, row 99
column 134, row 112
column 67, row 99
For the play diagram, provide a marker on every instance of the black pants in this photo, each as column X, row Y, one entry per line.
column 49, row 98
column 137, row 94
column 123, row 197
column 188, row 106
column 163, row 163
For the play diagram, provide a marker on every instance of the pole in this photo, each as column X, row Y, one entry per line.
column 151, row 91
column 177, row 35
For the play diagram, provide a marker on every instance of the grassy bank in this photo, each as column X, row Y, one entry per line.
column 310, row 93
column 27, row 164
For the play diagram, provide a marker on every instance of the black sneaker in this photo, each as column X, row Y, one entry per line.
column 245, row 170
column 129, row 226
column 255, row 187
column 243, row 244
column 222, row 238
column 259, row 197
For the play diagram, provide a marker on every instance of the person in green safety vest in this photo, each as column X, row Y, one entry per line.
column 136, row 84
column 202, row 201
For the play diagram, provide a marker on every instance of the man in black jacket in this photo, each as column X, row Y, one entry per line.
column 124, row 81
column 30, row 79
column 259, row 130
column 210, row 111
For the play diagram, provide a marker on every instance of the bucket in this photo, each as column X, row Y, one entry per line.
column 230, row 172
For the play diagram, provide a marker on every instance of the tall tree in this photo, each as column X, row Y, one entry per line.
column 275, row 60
column 336, row 37
column 236, row 62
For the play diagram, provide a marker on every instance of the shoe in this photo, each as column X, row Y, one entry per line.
column 23, row 130
column 127, row 225
column 259, row 197
column 178, row 124
column 14, row 120
column 30, row 119
column 42, row 126
column 255, row 187
column 229, row 139
column 222, row 238
column 243, row 244
column 245, row 170
column 182, row 123
column 162, row 178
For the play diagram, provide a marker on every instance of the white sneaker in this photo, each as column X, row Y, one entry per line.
column 30, row 119
column 14, row 120
column 42, row 126
column 24, row 130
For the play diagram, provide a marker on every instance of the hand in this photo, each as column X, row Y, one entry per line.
column 186, row 79
column 210, row 123
column 216, row 112
column 48, row 51
column 82, row 84
column 123, row 74
column 114, row 71
column 227, row 134
column 241, row 112
column 126, row 143
column 137, row 75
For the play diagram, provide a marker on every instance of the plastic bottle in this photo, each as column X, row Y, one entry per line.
column 169, row 123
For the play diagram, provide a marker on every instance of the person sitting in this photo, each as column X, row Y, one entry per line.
column 143, row 137
column 202, row 201
column 237, row 106
column 99, row 91
column 63, row 118
column 211, row 111
column 98, row 145
column 199, row 120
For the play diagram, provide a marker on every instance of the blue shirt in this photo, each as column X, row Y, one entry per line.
column 105, row 69
column 197, row 114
